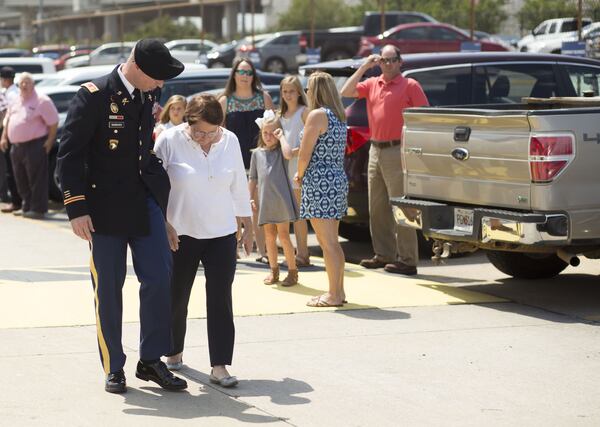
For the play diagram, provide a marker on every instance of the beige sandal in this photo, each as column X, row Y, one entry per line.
column 273, row 277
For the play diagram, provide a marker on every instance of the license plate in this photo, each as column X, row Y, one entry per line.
column 463, row 220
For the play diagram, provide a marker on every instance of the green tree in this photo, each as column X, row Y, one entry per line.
column 535, row 11
column 327, row 13
column 164, row 27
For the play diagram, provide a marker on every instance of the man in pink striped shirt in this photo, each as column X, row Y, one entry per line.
column 31, row 126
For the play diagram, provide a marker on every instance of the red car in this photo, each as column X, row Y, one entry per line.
column 423, row 37
column 59, row 63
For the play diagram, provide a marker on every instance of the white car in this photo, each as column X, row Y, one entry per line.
column 549, row 35
column 108, row 53
column 30, row 65
column 189, row 50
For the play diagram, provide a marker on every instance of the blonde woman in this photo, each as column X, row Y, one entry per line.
column 324, row 183
column 171, row 115
column 293, row 114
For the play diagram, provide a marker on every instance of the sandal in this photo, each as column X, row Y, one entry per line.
column 303, row 262
column 262, row 259
column 320, row 302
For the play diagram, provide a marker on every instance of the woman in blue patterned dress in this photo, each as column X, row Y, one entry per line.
column 324, row 183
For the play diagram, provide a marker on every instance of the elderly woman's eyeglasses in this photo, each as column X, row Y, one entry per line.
column 244, row 72
column 204, row 135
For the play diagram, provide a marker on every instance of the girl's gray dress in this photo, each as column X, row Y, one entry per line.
column 275, row 197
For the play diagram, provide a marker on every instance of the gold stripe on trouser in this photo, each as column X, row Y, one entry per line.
column 101, row 341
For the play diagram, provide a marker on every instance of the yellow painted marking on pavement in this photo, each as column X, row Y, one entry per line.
column 56, row 303
column 101, row 341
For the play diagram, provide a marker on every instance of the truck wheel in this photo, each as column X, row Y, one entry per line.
column 275, row 65
column 526, row 265
column 218, row 65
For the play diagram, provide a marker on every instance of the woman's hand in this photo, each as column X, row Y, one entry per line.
column 172, row 237
column 297, row 179
column 247, row 239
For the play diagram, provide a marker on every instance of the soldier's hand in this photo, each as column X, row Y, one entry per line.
column 83, row 227
column 172, row 237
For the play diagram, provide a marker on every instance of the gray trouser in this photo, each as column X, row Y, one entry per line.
column 391, row 242
column 30, row 165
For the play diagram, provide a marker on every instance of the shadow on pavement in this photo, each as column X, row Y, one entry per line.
column 375, row 314
column 281, row 392
column 154, row 401
column 574, row 296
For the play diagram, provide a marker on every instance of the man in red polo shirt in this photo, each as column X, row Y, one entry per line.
column 387, row 96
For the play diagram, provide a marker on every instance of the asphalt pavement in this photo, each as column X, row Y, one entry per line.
column 460, row 344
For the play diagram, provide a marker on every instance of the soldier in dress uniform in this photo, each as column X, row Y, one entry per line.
column 116, row 192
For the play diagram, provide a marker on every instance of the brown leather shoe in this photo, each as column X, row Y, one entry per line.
column 291, row 278
column 400, row 268
column 372, row 263
column 10, row 208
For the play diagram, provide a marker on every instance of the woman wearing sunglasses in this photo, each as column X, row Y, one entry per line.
column 209, row 195
column 244, row 101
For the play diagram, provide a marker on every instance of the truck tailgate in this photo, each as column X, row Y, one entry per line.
column 456, row 156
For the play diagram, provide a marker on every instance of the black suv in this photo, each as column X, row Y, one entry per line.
column 455, row 79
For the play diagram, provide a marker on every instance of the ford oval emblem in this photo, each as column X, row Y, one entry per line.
column 460, row 154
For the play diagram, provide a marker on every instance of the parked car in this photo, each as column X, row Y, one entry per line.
column 30, row 65
column 278, row 53
column 424, row 37
column 189, row 50
column 548, row 36
column 518, row 184
column 59, row 63
column 457, row 79
column 53, row 51
column 14, row 53
column 108, row 53
column 222, row 56
column 372, row 20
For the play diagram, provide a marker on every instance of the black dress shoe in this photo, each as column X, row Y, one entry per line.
column 115, row 382
column 159, row 373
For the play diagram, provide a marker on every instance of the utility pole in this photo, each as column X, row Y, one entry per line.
column 40, row 16
column 579, row 20
column 252, row 21
column 312, row 24
column 472, row 20
column 243, row 13
column 382, row 17
column 202, row 32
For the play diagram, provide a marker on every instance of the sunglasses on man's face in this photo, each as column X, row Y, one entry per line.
column 388, row 61
column 244, row 72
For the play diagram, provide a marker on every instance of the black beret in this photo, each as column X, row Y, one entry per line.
column 155, row 60
column 7, row 73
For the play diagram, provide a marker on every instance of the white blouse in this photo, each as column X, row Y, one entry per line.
column 208, row 191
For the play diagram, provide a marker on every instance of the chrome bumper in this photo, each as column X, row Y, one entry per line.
column 436, row 220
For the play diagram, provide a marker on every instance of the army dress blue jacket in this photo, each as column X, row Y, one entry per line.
column 107, row 168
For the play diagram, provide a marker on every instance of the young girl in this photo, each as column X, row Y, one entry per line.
column 292, row 116
column 172, row 114
column 269, row 180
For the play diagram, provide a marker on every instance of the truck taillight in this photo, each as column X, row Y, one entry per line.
column 365, row 43
column 357, row 136
column 549, row 155
column 303, row 43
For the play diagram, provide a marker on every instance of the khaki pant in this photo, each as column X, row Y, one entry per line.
column 391, row 242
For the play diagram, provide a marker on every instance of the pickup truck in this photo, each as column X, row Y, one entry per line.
column 548, row 36
column 519, row 181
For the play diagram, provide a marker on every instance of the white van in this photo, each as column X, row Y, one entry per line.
column 30, row 65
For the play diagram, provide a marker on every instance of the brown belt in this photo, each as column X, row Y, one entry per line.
column 386, row 144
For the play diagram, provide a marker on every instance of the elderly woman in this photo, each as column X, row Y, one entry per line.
column 209, row 193
column 324, row 183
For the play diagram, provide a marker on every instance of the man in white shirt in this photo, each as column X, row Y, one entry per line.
column 8, row 94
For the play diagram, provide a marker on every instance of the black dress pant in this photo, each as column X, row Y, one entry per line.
column 15, row 198
column 218, row 257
